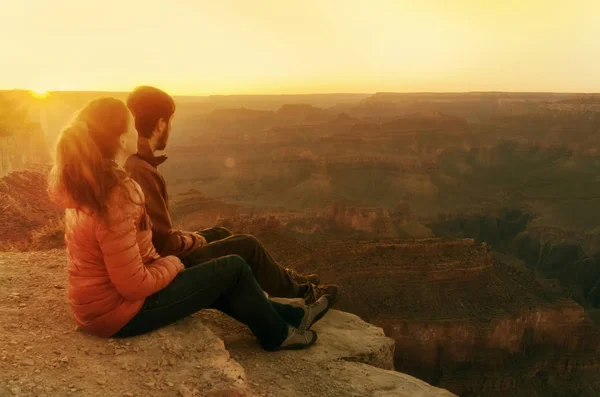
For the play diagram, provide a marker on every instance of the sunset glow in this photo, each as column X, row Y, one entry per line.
column 260, row 46
column 39, row 93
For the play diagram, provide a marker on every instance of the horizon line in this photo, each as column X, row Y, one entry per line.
column 317, row 93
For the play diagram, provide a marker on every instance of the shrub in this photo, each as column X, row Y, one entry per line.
column 49, row 236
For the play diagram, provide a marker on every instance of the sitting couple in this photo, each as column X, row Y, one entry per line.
column 129, row 271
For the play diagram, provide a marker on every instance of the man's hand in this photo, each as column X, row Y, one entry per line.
column 201, row 238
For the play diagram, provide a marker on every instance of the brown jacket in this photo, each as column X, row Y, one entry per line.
column 142, row 167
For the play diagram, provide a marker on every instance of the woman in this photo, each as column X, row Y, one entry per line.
column 117, row 284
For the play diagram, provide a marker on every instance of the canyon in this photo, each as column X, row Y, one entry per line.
column 464, row 225
column 464, row 317
column 461, row 319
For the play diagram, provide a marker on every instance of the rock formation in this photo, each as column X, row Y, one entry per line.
column 241, row 119
column 291, row 114
column 356, row 217
column 425, row 121
column 461, row 320
column 26, row 213
column 195, row 211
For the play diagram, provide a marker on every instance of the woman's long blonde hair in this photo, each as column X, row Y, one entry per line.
column 85, row 173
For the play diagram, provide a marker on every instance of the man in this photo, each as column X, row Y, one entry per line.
column 153, row 110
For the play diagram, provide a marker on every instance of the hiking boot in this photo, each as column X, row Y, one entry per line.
column 298, row 339
column 303, row 278
column 315, row 292
column 315, row 311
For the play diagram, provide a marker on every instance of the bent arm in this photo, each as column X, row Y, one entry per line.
column 132, row 278
column 167, row 240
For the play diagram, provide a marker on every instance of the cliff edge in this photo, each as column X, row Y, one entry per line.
column 42, row 353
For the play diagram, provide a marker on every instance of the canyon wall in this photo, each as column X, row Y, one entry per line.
column 195, row 211
column 461, row 319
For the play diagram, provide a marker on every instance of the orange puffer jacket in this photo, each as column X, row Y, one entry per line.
column 113, row 265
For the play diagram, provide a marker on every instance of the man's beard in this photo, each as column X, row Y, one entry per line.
column 161, row 143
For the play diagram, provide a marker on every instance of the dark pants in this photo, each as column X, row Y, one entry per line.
column 225, row 284
column 215, row 234
column 271, row 276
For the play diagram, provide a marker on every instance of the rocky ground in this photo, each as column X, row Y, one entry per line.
column 42, row 353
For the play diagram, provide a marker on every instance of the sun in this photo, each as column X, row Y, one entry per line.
column 39, row 93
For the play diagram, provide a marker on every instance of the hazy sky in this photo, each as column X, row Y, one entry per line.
column 301, row 46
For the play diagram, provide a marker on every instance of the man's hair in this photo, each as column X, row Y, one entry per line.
column 148, row 105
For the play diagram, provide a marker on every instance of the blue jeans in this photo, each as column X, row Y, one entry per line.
column 226, row 284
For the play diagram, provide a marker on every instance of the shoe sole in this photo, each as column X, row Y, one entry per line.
column 300, row 346
column 320, row 315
